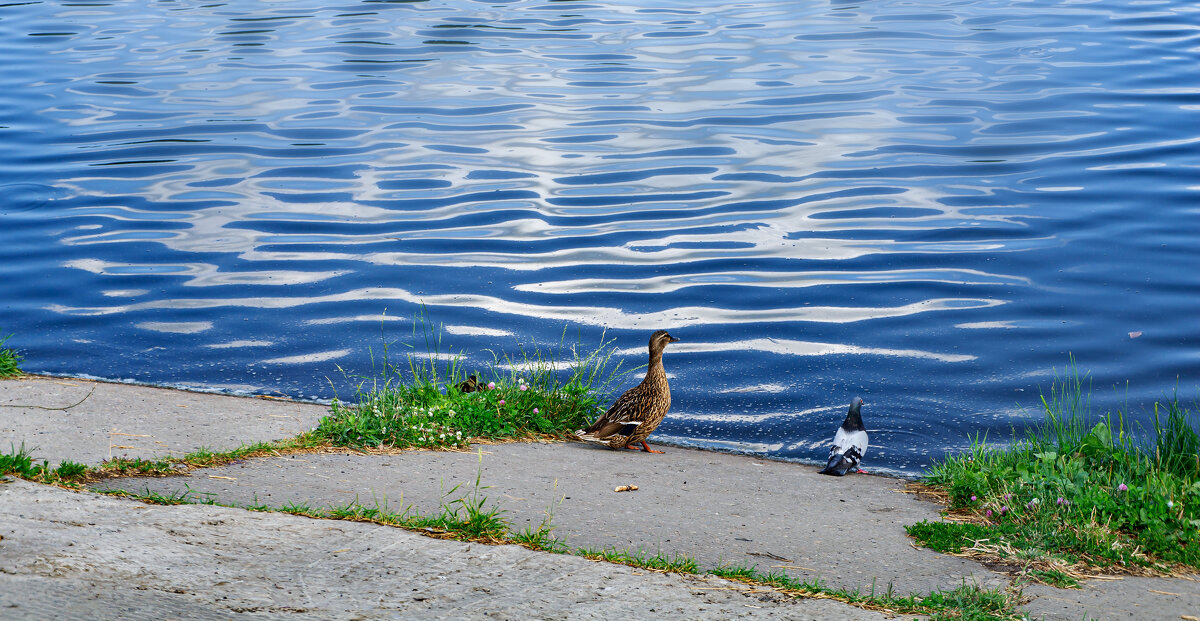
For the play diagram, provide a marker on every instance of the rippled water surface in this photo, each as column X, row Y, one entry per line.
column 931, row 204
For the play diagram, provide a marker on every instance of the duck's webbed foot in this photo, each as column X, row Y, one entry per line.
column 644, row 447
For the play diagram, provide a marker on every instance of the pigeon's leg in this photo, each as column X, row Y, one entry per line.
column 645, row 447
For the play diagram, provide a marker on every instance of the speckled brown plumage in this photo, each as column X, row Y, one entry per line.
column 471, row 385
column 637, row 413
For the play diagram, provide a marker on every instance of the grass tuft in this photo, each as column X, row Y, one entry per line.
column 19, row 462
column 967, row 601
column 468, row 516
column 640, row 558
column 10, row 360
column 1079, row 494
column 416, row 402
column 541, row 537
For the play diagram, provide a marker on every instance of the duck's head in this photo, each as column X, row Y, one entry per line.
column 659, row 341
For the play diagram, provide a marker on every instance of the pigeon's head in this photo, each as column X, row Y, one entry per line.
column 854, row 417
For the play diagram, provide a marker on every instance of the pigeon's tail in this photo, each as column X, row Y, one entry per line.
column 837, row 466
column 841, row 463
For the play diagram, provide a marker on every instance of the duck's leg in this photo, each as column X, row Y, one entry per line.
column 645, row 447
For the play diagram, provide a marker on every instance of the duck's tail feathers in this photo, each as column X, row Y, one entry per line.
column 606, row 432
column 589, row 437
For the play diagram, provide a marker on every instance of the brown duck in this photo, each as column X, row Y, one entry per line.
column 635, row 414
column 471, row 385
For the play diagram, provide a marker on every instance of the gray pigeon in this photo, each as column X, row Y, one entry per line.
column 849, row 443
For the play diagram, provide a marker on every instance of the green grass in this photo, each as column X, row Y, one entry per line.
column 468, row 517
column 1078, row 494
column 10, row 361
column 415, row 402
column 640, row 558
column 19, row 462
column 201, row 458
column 417, row 405
column 967, row 601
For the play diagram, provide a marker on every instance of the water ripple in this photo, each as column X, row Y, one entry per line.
column 929, row 205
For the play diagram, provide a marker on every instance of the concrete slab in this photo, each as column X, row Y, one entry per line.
column 1119, row 598
column 716, row 508
column 81, row 555
column 92, row 556
column 89, row 422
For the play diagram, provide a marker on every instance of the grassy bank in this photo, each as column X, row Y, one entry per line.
column 1079, row 494
column 407, row 401
column 10, row 361
column 420, row 400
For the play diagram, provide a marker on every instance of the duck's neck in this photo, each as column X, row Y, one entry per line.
column 655, row 373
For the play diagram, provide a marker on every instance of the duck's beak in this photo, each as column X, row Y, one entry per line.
column 673, row 339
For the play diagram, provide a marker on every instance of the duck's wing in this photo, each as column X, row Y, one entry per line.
column 620, row 419
column 625, row 409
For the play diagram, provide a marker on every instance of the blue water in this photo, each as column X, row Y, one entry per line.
column 929, row 204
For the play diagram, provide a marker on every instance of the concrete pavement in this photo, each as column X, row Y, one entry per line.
column 202, row 560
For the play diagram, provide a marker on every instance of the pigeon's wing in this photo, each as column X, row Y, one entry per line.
column 847, row 449
column 857, row 440
column 841, row 442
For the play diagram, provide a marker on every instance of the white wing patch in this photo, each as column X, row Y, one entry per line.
column 843, row 442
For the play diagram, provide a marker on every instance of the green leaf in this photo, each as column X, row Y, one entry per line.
column 1097, row 442
column 1049, row 456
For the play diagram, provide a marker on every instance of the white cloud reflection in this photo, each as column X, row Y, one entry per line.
column 599, row 316
column 789, row 347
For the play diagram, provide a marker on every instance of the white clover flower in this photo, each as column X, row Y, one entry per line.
column 1170, row 504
